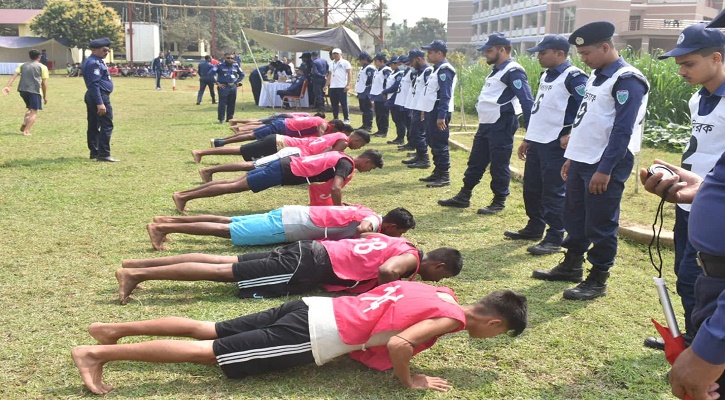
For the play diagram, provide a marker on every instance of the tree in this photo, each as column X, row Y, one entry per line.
column 79, row 23
column 427, row 30
column 186, row 30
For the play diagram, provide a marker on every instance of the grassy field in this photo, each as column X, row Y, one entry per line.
column 68, row 222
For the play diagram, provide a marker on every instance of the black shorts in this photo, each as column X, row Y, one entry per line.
column 266, row 341
column 261, row 148
column 291, row 269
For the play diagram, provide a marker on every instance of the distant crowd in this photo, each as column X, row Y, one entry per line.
column 137, row 70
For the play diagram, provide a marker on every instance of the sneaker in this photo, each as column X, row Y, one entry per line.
column 347, row 121
column 544, row 248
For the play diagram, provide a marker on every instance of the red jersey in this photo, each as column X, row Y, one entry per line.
column 340, row 216
column 394, row 306
column 310, row 146
column 359, row 259
column 303, row 124
column 320, row 193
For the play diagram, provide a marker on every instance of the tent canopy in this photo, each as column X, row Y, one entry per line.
column 347, row 40
column 24, row 42
column 14, row 49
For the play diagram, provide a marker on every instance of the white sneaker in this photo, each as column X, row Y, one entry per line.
column 347, row 121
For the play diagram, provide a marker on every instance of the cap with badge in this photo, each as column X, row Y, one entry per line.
column 415, row 53
column 551, row 42
column 403, row 59
column 98, row 43
column 495, row 39
column 336, row 51
column 380, row 57
column 436, row 45
column 364, row 56
column 694, row 38
column 592, row 33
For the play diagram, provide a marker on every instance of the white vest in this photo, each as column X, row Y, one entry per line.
column 595, row 119
column 362, row 78
column 547, row 115
column 707, row 142
column 430, row 95
column 489, row 111
column 419, row 89
column 379, row 81
column 405, row 89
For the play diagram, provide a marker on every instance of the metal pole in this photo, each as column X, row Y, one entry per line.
column 667, row 307
column 327, row 14
column 130, row 31
column 380, row 15
column 213, row 30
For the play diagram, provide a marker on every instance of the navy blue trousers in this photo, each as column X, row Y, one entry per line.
column 593, row 219
column 157, row 74
column 366, row 108
column 100, row 128
column 707, row 292
column 418, row 137
column 382, row 117
column 438, row 141
column 203, row 84
column 227, row 102
column 686, row 267
column 318, row 96
column 544, row 190
column 492, row 145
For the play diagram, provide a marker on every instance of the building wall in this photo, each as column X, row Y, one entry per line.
column 458, row 26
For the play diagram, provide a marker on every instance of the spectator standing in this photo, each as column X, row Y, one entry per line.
column 98, row 101
column 158, row 67
column 338, row 81
column 33, row 78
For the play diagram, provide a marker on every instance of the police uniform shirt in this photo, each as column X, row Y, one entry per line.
column 261, row 72
column 96, row 78
column 445, row 90
column 517, row 85
column 204, row 68
column 227, row 74
column 157, row 64
column 368, row 71
column 626, row 113
column 576, row 85
column 320, row 67
column 417, row 92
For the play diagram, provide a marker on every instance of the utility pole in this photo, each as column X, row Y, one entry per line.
column 130, row 31
column 213, row 29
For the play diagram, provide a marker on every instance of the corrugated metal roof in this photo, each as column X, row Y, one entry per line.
column 17, row 16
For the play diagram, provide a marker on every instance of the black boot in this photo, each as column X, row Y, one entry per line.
column 423, row 162
column 497, row 205
column 461, row 200
column 415, row 158
column 569, row 270
column 443, row 179
column 594, row 286
column 430, row 178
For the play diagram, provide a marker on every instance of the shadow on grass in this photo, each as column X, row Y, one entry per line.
column 41, row 162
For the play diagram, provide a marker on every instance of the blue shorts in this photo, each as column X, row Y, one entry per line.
column 33, row 101
column 258, row 229
column 275, row 127
column 264, row 178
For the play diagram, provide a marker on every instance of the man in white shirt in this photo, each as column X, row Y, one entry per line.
column 338, row 82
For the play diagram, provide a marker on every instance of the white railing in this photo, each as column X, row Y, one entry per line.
column 657, row 24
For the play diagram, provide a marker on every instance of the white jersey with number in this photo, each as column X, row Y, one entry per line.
column 595, row 119
column 406, row 85
column 362, row 78
column 421, row 81
column 378, row 84
column 489, row 110
column 707, row 143
column 430, row 95
column 549, row 110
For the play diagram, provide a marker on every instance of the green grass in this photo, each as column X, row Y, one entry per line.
column 68, row 222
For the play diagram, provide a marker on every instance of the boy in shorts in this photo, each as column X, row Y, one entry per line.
column 33, row 78
column 312, row 330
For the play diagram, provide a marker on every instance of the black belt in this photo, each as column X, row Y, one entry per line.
column 713, row 266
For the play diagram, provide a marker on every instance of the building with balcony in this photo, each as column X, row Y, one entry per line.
column 642, row 24
column 458, row 27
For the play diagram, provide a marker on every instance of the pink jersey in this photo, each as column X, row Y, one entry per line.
column 310, row 146
column 303, row 124
column 320, row 193
column 359, row 259
column 394, row 306
column 340, row 216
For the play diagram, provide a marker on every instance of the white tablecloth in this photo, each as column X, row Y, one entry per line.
column 7, row 68
column 268, row 96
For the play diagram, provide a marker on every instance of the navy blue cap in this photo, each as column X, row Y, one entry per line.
column 718, row 21
column 364, row 56
column 403, row 59
column 381, row 57
column 98, row 43
column 437, row 45
column 306, row 54
column 551, row 42
column 394, row 59
column 592, row 33
column 694, row 38
column 495, row 39
column 415, row 53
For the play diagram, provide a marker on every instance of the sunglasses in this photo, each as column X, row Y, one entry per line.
column 230, row 58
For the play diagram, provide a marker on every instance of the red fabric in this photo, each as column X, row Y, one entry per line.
column 394, row 306
column 310, row 146
column 673, row 346
column 303, row 123
column 320, row 193
column 339, row 216
column 359, row 259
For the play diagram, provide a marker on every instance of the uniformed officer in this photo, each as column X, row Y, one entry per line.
column 391, row 91
column 380, row 81
column 606, row 132
column 228, row 76
column 561, row 87
column 98, row 101
column 418, row 133
column 362, row 88
column 256, row 79
column 401, row 100
column 699, row 53
column 505, row 94
column 205, row 80
column 318, row 74
column 437, row 103
column 157, row 65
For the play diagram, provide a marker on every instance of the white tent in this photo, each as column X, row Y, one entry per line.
column 341, row 37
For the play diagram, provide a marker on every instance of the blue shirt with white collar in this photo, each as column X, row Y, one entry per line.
column 523, row 93
column 96, row 78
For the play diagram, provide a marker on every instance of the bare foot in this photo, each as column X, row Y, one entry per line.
column 205, row 175
column 27, row 134
column 125, row 286
column 196, row 155
column 157, row 238
column 91, row 369
column 180, row 204
column 163, row 219
column 103, row 333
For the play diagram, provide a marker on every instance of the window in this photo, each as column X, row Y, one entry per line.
column 567, row 19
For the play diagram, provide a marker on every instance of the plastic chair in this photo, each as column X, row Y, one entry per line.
column 296, row 99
